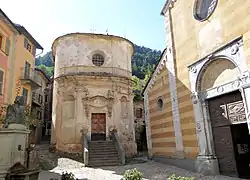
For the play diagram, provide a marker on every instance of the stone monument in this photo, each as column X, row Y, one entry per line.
column 14, row 136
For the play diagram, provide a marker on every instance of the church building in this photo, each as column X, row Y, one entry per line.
column 197, row 105
column 92, row 91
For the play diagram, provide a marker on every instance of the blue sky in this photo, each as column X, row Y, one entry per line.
column 138, row 20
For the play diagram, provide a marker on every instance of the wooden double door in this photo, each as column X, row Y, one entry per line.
column 98, row 127
column 230, row 133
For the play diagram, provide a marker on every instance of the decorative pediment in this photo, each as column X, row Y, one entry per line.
column 98, row 101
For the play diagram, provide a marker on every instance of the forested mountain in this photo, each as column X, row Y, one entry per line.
column 143, row 62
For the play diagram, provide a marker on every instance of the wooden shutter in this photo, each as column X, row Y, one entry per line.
column 7, row 46
column 25, row 43
column 1, row 41
column 25, row 95
column 1, row 82
column 27, row 70
column 34, row 51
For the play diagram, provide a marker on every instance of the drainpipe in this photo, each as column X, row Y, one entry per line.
column 12, row 69
column 39, row 54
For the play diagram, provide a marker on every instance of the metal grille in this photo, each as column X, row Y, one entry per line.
column 98, row 59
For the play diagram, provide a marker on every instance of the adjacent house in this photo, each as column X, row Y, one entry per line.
column 8, row 34
column 26, row 78
column 38, row 104
column 17, row 61
column 196, row 102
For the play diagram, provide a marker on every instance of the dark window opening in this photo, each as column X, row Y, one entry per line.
column 138, row 113
column 160, row 103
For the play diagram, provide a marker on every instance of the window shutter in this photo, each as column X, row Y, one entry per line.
column 25, row 42
column 1, row 82
column 7, row 46
column 34, row 51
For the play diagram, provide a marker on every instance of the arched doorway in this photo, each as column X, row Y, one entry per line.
column 226, row 118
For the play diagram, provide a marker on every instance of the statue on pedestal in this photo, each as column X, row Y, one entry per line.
column 15, row 113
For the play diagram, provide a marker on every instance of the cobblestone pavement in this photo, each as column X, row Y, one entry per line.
column 53, row 166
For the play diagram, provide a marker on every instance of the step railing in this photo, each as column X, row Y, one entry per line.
column 85, row 149
column 119, row 147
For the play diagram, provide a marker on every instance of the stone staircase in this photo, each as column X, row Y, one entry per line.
column 103, row 153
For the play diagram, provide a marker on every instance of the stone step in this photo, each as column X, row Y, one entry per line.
column 104, row 164
column 100, row 162
column 101, row 145
column 103, row 153
column 96, row 155
column 102, row 149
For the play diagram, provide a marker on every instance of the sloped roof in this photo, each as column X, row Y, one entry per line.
column 28, row 35
column 154, row 74
column 7, row 20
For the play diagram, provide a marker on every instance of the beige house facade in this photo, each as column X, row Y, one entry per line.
column 196, row 102
column 92, row 91
column 38, row 101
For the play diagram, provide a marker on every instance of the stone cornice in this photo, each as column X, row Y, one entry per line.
column 167, row 5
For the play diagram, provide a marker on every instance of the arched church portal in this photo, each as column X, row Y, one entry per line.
column 224, row 118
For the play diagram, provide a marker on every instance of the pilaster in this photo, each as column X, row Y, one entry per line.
column 148, row 128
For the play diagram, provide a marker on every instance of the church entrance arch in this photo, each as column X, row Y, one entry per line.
column 223, row 116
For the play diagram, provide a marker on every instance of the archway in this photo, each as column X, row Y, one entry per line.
column 217, row 72
column 224, row 117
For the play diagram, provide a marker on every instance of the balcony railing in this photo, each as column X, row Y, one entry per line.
column 37, row 99
column 29, row 76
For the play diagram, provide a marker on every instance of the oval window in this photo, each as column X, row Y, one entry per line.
column 203, row 9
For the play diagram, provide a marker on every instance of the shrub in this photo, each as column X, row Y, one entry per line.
column 173, row 177
column 68, row 176
column 132, row 174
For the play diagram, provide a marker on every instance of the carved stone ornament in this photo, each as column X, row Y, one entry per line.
column 245, row 78
column 110, row 99
column 98, row 102
column 85, row 101
column 198, row 127
column 220, row 89
column 236, row 84
column 194, row 97
column 234, row 49
column 193, row 69
column 84, row 130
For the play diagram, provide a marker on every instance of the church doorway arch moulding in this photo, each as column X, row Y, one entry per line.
column 222, row 72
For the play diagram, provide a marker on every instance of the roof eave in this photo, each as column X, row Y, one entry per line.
column 165, row 7
column 29, row 36
column 145, row 87
column 9, row 23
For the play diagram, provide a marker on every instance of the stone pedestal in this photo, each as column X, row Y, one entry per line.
column 207, row 165
column 14, row 141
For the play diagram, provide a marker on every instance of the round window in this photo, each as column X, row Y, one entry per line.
column 203, row 9
column 160, row 103
column 98, row 59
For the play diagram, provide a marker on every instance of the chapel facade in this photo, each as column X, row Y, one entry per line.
column 92, row 91
column 197, row 106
